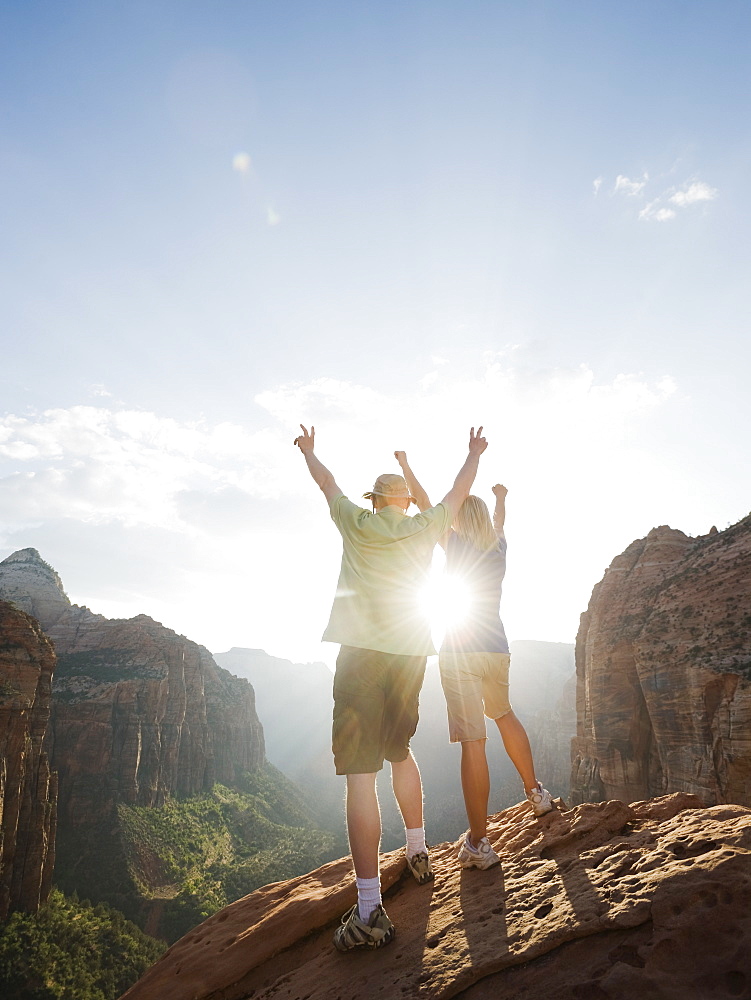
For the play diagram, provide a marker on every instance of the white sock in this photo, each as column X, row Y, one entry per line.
column 416, row 841
column 368, row 896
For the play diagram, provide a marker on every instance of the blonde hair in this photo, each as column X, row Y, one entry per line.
column 473, row 524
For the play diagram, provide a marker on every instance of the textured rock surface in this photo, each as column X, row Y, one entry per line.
column 139, row 712
column 663, row 661
column 28, row 792
column 603, row 901
column 32, row 585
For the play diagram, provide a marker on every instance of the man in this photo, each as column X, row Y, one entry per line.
column 385, row 641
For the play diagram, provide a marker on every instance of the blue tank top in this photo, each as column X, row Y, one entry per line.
column 481, row 630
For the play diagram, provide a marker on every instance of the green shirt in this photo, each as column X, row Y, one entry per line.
column 385, row 562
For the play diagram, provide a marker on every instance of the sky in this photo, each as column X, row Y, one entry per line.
column 392, row 220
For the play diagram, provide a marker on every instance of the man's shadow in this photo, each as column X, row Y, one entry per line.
column 482, row 897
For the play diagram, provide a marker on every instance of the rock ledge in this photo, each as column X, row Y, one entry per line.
column 603, row 900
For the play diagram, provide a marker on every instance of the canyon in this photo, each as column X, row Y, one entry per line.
column 638, row 888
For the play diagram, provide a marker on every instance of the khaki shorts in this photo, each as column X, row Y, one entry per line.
column 376, row 699
column 475, row 685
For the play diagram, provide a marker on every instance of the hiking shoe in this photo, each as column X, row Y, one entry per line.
column 541, row 800
column 355, row 933
column 419, row 865
column 481, row 857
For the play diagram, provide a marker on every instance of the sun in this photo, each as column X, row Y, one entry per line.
column 444, row 601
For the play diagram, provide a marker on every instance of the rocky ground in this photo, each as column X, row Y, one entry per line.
column 601, row 901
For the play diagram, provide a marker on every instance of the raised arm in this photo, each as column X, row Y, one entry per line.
column 323, row 478
column 416, row 490
column 499, row 514
column 466, row 476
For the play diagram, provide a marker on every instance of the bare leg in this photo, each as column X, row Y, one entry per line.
column 363, row 824
column 476, row 788
column 407, row 785
column 516, row 742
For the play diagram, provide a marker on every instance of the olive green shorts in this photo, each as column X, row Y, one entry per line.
column 475, row 686
column 376, row 699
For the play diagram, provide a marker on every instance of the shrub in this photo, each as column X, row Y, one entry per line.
column 72, row 951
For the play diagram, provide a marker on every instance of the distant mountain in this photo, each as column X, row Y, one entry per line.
column 295, row 702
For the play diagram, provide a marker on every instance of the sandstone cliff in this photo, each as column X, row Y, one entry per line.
column 663, row 660
column 603, row 901
column 139, row 712
column 28, row 792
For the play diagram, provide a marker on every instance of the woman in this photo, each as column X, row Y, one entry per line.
column 474, row 664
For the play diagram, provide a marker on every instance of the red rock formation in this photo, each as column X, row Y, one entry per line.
column 663, row 661
column 28, row 792
column 139, row 712
column 603, row 901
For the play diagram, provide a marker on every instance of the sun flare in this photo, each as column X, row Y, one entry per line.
column 445, row 602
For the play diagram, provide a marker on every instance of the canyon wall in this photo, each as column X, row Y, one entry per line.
column 663, row 661
column 28, row 791
column 139, row 713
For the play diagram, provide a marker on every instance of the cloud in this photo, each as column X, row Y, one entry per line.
column 624, row 185
column 664, row 206
column 657, row 213
column 273, row 218
column 696, row 191
column 659, row 209
column 201, row 513
column 597, row 184
column 127, row 465
column 218, row 530
column 547, row 411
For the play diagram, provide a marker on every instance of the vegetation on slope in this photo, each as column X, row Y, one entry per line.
column 170, row 867
column 72, row 951
column 202, row 853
